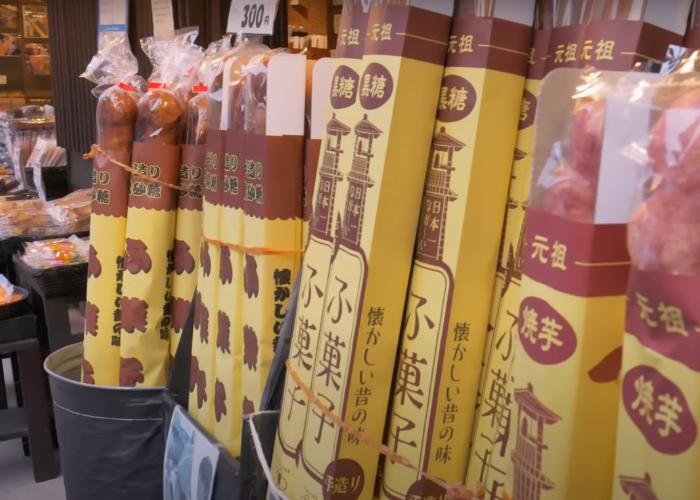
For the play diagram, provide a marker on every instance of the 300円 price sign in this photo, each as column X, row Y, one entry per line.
column 255, row 18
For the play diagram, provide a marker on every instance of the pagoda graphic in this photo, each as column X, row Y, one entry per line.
column 529, row 478
column 638, row 488
column 437, row 195
column 329, row 176
column 358, row 183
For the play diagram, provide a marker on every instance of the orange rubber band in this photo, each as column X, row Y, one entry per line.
column 253, row 250
column 452, row 492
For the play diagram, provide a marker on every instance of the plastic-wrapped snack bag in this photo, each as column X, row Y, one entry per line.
column 188, row 227
column 272, row 188
column 114, row 69
column 658, row 453
column 212, row 349
column 617, row 36
column 148, row 254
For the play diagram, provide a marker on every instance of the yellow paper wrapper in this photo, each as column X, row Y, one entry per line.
column 229, row 297
column 105, row 270
column 328, row 194
column 448, row 302
column 609, row 44
column 489, row 454
column 203, row 372
column 657, row 446
column 273, row 184
column 148, row 266
column 188, row 238
column 397, row 92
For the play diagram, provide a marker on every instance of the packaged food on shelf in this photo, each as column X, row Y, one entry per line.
column 152, row 203
column 607, row 35
column 188, row 225
column 355, row 277
column 30, row 218
column 658, row 416
column 44, row 254
column 459, row 231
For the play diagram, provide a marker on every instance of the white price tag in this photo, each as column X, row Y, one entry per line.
column 114, row 15
column 254, row 18
column 163, row 19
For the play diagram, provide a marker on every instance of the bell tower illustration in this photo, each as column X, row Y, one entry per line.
column 431, row 235
column 358, row 182
column 329, row 176
column 529, row 478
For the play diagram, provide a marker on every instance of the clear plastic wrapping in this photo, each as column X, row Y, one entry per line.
column 566, row 185
column 175, row 64
column 197, row 113
column 45, row 254
column 664, row 229
column 114, row 70
column 37, row 219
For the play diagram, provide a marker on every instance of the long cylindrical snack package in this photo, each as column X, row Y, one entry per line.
column 329, row 191
column 148, row 258
column 272, row 185
column 492, row 441
column 188, row 226
column 448, row 304
column 351, row 368
column 658, row 453
column 223, row 290
column 204, row 337
column 114, row 69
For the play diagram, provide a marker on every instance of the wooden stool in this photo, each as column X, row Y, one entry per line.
column 18, row 336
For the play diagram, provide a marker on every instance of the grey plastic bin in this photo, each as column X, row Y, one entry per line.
column 111, row 439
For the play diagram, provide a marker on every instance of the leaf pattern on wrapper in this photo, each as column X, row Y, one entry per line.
column 94, row 265
column 250, row 348
column 204, row 323
column 197, row 310
column 224, row 334
column 92, row 314
column 608, row 369
column 130, row 372
column 225, row 266
column 180, row 308
column 183, row 260
column 134, row 314
column 205, row 259
column 198, row 381
column 88, row 372
column 219, row 400
column 251, row 284
column 136, row 258
column 248, row 406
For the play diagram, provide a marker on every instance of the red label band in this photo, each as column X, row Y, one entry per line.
column 478, row 42
column 214, row 152
column 398, row 30
column 110, row 184
column 158, row 161
column 663, row 312
column 586, row 260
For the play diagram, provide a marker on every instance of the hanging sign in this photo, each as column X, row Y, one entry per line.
column 252, row 17
column 163, row 19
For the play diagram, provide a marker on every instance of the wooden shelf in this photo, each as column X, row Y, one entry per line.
column 13, row 425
